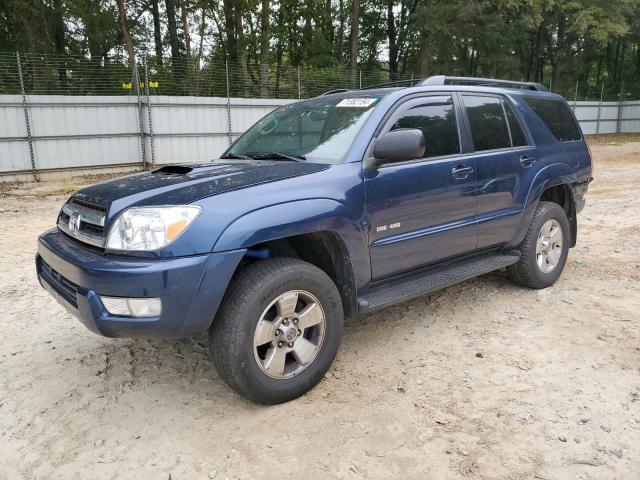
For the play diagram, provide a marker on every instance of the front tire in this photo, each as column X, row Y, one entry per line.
column 544, row 249
column 278, row 330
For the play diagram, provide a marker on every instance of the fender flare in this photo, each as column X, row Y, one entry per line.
column 297, row 218
column 549, row 176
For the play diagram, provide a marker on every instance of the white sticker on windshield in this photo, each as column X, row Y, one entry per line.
column 358, row 102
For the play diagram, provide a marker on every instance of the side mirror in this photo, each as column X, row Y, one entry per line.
column 398, row 146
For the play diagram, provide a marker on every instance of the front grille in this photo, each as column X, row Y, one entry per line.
column 84, row 221
column 65, row 288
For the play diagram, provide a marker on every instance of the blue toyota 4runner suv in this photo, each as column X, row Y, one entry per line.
column 325, row 209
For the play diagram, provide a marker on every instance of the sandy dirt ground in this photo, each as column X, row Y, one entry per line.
column 483, row 380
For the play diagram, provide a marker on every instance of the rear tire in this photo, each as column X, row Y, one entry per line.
column 278, row 330
column 544, row 249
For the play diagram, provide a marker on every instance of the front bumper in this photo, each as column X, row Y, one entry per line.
column 191, row 288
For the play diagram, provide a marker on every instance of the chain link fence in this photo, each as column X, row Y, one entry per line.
column 66, row 75
column 47, row 74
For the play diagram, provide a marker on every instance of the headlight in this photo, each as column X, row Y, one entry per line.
column 150, row 228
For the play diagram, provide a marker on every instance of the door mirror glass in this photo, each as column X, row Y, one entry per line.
column 399, row 146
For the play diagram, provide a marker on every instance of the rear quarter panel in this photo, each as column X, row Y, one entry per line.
column 560, row 162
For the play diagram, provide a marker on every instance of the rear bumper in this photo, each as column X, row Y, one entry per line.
column 579, row 189
column 191, row 288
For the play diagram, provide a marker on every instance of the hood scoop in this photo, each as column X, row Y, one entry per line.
column 173, row 170
column 191, row 169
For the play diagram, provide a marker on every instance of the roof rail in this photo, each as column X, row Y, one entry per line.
column 485, row 82
column 413, row 81
column 331, row 92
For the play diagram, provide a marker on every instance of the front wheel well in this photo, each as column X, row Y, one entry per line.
column 561, row 194
column 325, row 250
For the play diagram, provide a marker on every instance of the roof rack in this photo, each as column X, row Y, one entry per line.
column 485, row 82
column 412, row 82
column 331, row 92
column 446, row 80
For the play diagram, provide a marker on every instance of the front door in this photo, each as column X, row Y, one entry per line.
column 422, row 211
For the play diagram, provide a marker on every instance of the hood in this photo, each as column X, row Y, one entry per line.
column 187, row 183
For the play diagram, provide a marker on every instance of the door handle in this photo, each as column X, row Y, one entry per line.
column 526, row 161
column 460, row 172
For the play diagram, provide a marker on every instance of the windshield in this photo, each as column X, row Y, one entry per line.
column 319, row 130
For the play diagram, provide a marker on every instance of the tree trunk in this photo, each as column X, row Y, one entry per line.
column 622, row 60
column 230, row 30
column 423, row 60
column 173, row 32
column 157, row 30
column 203, row 24
column 307, row 32
column 177, row 68
column 243, row 54
column 406, row 17
column 279, row 53
column 122, row 20
column 59, row 39
column 184, row 17
column 197, row 65
column 341, row 27
column 393, row 45
column 558, row 54
column 264, row 50
column 353, row 50
column 328, row 26
column 538, row 55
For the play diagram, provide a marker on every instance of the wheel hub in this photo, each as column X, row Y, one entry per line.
column 549, row 246
column 289, row 334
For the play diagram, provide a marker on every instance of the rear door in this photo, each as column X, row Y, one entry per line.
column 422, row 211
column 506, row 162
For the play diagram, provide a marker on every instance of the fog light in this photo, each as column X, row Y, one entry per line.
column 132, row 307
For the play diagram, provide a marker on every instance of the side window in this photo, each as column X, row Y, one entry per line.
column 436, row 117
column 557, row 117
column 487, row 121
column 517, row 135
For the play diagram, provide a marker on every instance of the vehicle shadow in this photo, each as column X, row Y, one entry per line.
column 181, row 372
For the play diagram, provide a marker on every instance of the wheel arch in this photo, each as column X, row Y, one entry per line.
column 562, row 194
column 552, row 184
column 320, row 231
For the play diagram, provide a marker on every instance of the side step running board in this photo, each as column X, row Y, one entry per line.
column 420, row 283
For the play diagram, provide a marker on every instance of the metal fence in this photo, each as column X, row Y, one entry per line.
column 91, row 134
column 44, row 134
column 48, row 74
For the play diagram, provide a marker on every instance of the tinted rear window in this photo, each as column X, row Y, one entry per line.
column 487, row 121
column 517, row 135
column 557, row 117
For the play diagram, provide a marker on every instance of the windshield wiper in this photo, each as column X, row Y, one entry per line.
column 278, row 155
column 237, row 155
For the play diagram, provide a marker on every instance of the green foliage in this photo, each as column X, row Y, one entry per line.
column 583, row 46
